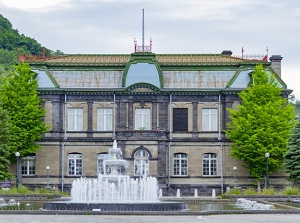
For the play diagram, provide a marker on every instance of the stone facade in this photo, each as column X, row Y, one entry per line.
column 78, row 81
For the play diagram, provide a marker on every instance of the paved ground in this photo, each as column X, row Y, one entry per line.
column 241, row 218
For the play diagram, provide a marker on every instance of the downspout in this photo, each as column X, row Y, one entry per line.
column 170, row 141
column 63, row 145
column 114, row 125
column 221, row 145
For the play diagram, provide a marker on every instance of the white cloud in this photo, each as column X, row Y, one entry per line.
column 176, row 26
column 29, row 5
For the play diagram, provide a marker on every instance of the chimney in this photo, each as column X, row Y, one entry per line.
column 227, row 53
column 276, row 64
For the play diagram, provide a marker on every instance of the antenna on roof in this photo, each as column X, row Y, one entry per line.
column 142, row 48
column 143, row 39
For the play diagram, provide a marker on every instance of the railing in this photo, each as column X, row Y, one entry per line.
column 141, row 134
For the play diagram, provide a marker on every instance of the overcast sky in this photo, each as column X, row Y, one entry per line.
column 176, row 26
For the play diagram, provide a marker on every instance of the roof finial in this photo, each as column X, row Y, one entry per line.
column 243, row 52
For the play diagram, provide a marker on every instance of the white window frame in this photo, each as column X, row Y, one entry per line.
column 104, row 119
column 142, row 119
column 180, row 164
column 75, row 168
column 75, row 119
column 101, row 157
column 28, row 165
column 141, row 163
column 209, row 164
column 210, row 119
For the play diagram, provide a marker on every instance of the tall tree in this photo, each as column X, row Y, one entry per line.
column 292, row 157
column 20, row 98
column 4, row 140
column 296, row 103
column 261, row 124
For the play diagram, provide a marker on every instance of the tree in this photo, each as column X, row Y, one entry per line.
column 261, row 124
column 296, row 103
column 20, row 98
column 292, row 157
column 4, row 140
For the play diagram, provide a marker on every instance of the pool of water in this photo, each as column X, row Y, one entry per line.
column 191, row 206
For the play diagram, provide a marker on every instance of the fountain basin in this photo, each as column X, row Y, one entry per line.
column 151, row 206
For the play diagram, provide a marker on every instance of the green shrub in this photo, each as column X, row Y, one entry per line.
column 250, row 191
column 291, row 191
column 235, row 191
column 268, row 191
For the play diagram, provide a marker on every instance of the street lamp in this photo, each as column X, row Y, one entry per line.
column 47, row 168
column 234, row 172
column 17, row 170
column 267, row 155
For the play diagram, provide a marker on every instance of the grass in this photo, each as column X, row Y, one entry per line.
column 270, row 191
column 291, row 191
column 26, row 190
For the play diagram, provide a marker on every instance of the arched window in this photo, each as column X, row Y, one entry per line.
column 75, row 164
column 180, row 164
column 141, row 163
column 209, row 162
column 101, row 157
column 28, row 165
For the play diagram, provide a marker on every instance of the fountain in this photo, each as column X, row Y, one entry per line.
column 115, row 191
column 253, row 205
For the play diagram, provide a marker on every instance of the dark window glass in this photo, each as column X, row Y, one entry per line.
column 180, row 119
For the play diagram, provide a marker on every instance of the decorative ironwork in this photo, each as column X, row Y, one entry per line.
column 143, row 48
column 141, row 134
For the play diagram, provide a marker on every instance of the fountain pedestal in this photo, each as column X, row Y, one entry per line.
column 115, row 191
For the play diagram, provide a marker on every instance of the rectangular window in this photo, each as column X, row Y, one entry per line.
column 104, row 119
column 142, row 119
column 75, row 119
column 28, row 165
column 74, row 164
column 209, row 162
column 210, row 119
column 180, row 119
column 180, row 167
column 100, row 164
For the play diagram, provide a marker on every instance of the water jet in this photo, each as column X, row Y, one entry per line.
column 115, row 191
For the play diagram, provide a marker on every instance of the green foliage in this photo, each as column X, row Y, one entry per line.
column 250, row 191
column 291, row 191
column 268, row 191
column 11, row 40
column 4, row 140
column 261, row 124
column 296, row 103
column 8, row 57
column 292, row 157
column 20, row 98
column 235, row 191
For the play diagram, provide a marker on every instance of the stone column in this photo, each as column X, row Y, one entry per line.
column 121, row 118
column 161, row 163
column 130, row 116
column 195, row 119
column 154, row 116
column 90, row 119
column 57, row 120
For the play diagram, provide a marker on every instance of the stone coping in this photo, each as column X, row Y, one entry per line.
column 64, row 212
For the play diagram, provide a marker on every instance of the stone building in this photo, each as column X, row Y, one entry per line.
column 166, row 111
